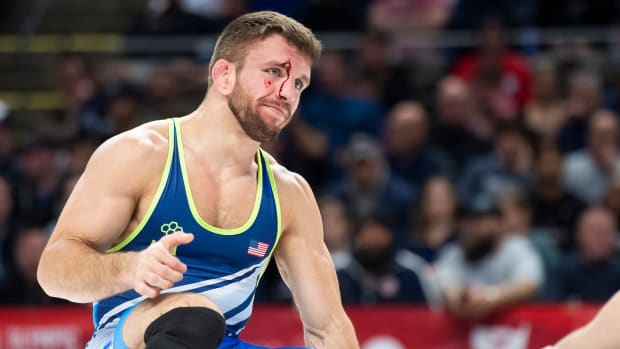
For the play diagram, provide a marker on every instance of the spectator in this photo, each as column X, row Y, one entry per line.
column 376, row 275
column 588, row 172
column 555, row 210
column 38, row 186
column 592, row 273
column 333, row 109
column 517, row 216
column 434, row 224
column 337, row 230
column 487, row 269
column 460, row 131
column 409, row 153
column 23, row 287
column 501, row 77
column 329, row 115
column 585, row 97
column 379, row 77
column 369, row 186
column 510, row 165
column 545, row 113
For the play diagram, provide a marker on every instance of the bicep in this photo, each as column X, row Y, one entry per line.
column 306, row 266
column 101, row 204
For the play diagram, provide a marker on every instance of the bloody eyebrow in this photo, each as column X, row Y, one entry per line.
column 283, row 65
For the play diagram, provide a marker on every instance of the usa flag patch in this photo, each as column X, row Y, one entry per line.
column 257, row 248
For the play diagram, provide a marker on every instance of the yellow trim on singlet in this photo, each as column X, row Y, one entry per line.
column 190, row 198
column 155, row 201
column 276, row 197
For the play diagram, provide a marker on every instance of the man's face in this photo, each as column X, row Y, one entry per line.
column 268, row 87
column 406, row 129
column 479, row 236
column 549, row 167
column 596, row 235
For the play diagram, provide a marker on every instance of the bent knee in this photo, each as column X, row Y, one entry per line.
column 150, row 310
column 186, row 327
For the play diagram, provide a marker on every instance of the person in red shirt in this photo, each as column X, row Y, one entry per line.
column 502, row 77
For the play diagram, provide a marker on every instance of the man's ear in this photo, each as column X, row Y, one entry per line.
column 223, row 75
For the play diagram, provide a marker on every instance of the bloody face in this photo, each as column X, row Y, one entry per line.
column 268, row 87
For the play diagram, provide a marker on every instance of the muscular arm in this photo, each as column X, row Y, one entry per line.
column 307, row 268
column 74, row 265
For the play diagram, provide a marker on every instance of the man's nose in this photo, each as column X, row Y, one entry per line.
column 287, row 90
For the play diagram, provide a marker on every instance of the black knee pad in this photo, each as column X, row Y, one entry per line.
column 186, row 328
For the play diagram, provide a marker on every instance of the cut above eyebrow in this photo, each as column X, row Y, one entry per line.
column 283, row 65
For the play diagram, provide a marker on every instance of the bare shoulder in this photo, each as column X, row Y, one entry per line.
column 135, row 158
column 145, row 140
column 121, row 171
column 295, row 193
column 290, row 184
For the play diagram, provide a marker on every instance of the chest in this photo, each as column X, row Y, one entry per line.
column 223, row 203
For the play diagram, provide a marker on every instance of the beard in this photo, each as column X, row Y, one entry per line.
column 375, row 260
column 240, row 103
column 476, row 251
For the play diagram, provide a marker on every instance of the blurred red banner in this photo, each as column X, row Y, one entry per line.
column 384, row 327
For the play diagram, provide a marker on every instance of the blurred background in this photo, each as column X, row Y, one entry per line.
column 465, row 153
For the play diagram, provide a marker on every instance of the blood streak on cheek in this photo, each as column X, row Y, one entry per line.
column 287, row 65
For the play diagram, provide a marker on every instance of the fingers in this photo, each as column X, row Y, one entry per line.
column 157, row 269
column 162, row 255
column 168, row 274
column 155, row 280
column 176, row 239
column 146, row 290
column 154, row 277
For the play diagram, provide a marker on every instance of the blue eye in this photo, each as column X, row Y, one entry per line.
column 299, row 85
column 274, row 71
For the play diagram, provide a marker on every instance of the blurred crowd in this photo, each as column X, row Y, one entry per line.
column 471, row 179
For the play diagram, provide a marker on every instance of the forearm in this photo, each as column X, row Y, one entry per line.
column 504, row 295
column 72, row 270
column 339, row 334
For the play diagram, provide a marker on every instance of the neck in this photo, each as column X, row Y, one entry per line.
column 213, row 132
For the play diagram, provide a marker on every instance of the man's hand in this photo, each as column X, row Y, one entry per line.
column 156, row 269
column 480, row 302
column 473, row 302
